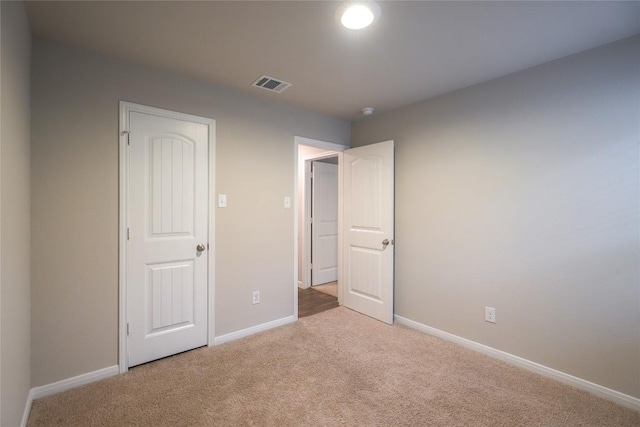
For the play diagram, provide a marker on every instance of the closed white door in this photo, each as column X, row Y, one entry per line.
column 368, row 230
column 324, row 225
column 167, row 270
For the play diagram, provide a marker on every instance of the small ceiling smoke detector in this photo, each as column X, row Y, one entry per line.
column 356, row 15
column 367, row 111
column 271, row 84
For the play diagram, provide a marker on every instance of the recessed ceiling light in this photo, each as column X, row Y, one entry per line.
column 367, row 111
column 356, row 15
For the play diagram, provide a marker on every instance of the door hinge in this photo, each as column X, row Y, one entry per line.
column 207, row 246
column 127, row 328
column 310, row 220
column 128, row 233
column 310, row 266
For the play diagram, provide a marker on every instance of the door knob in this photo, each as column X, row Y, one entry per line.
column 200, row 248
column 385, row 242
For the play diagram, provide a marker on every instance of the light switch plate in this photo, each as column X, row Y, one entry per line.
column 222, row 200
column 287, row 202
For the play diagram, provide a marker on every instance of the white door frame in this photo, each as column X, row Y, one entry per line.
column 335, row 149
column 125, row 109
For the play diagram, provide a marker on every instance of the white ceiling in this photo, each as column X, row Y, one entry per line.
column 416, row 50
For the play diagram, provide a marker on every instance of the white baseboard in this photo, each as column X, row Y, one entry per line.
column 303, row 286
column 27, row 409
column 63, row 385
column 579, row 383
column 252, row 330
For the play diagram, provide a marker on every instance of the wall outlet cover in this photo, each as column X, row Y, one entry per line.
column 490, row 314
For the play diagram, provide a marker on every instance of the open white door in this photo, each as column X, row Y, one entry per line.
column 167, row 267
column 368, row 233
column 324, row 226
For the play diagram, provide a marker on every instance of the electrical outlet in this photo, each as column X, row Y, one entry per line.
column 490, row 314
column 256, row 297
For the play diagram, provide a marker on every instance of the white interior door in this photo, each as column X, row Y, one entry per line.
column 167, row 220
column 324, row 226
column 368, row 232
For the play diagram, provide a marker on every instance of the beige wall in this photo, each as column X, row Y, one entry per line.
column 522, row 194
column 75, row 201
column 15, row 242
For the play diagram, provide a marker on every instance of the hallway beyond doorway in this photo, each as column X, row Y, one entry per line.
column 311, row 301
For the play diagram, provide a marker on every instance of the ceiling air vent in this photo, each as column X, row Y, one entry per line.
column 271, row 84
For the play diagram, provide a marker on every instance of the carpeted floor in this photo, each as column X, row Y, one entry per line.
column 337, row 368
column 328, row 288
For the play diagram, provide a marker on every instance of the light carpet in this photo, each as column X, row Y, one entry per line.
column 337, row 368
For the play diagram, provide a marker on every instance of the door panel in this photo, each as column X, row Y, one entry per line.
column 368, row 223
column 324, row 228
column 170, row 303
column 365, row 266
column 172, row 185
column 168, row 218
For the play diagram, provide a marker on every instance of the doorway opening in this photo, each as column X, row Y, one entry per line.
column 321, row 242
column 365, row 254
column 316, row 243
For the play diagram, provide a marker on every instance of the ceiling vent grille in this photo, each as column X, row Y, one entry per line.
column 271, row 84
